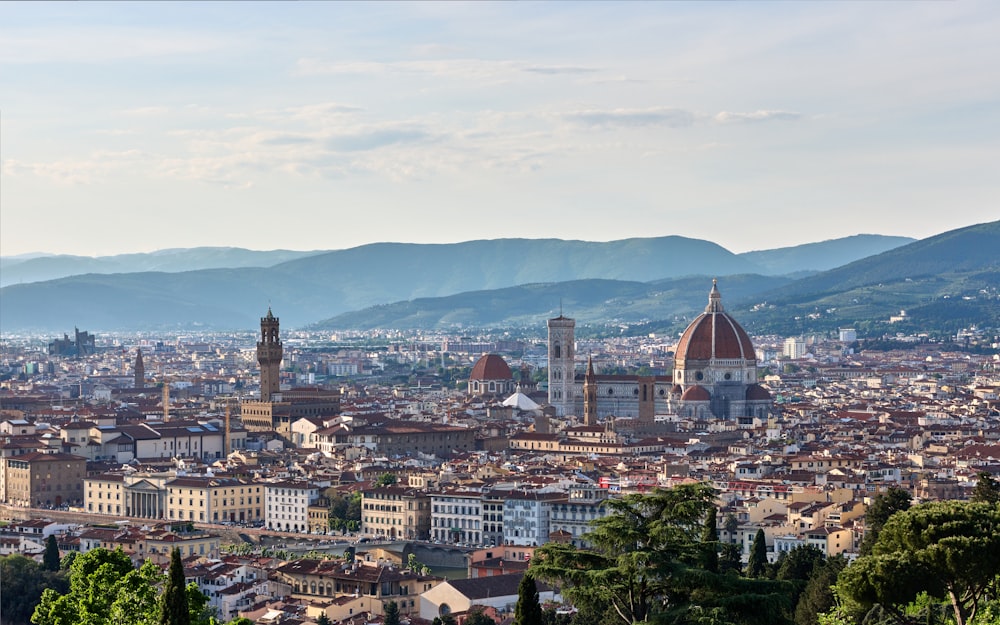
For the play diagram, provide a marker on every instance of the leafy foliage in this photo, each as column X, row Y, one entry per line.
column 173, row 601
column 987, row 489
column 391, row 616
column 946, row 549
column 757, row 562
column 50, row 560
column 24, row 581
column 528, row 610
column 881, row 509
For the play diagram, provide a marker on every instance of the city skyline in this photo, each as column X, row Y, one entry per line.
column 137, row 127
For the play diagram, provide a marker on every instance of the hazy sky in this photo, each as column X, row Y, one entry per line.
column 325, row 125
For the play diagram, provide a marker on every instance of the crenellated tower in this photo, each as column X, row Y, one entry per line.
column 269, row 354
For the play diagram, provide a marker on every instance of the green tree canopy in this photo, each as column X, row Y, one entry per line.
column 386, row 479
column 757, row 562
column 528, row 610
column 174, row 600
column 947, row 549
column 24, row 581
column 710, row 541
column 639, row 548
column 884, row 505
column 50, row 560
column 987, row 489
column 391, row 613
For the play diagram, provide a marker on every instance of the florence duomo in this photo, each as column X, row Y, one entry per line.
column 714, row 375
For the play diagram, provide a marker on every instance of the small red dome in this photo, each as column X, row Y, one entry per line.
column 491, row 367
column 756, row 392
column 676, row 390
column 696, row 393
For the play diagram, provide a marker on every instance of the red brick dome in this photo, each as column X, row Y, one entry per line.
column 714, row 334
column 696, row 393
column 491, row 367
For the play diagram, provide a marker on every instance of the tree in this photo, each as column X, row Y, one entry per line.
column 386, row 479
column 639, row 549
column 947, row 549
column 174, row 608
column 24, row 581
column 732, row 558
column 528, row 610
column 987, row 489
column 391, row 614
column 884, row 505
column 757, row 562
column 95, row 577
column 50, row 560
column 323, row 619
column 799, row 563
column 710, row 542
column 478, row 617
column 817, row 597
column 731, row 525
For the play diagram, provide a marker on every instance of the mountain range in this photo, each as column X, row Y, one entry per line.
column 476, row 283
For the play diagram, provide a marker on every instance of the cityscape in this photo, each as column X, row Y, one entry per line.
column 499, row 313
column 292, row 469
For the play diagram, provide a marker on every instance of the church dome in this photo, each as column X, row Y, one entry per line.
column 714, row 335
column 696, row 393
column 756, row 392
column 491, row 367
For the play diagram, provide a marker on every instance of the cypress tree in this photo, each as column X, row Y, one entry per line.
column 757, row 563
column 50, row 561
column 173, row 601
column 391, row 616
column 710, row 543
column 528, row 610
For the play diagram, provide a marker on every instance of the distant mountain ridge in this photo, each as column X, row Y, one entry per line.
column 312, row 286
column 37, row 268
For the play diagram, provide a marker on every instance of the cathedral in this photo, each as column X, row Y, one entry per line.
column 714, row 376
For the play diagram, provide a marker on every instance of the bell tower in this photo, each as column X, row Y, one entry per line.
column 561, row 367
column 590, row 394
column 140, row 370
column 269, row 354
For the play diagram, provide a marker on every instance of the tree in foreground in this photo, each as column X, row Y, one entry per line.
column 174, row 600
column 391, row 616
column 710, row 541
column 24, row 581
column 884, row 505
column 639, row 548
column 528, row 610
column 95, row 577
column 987, row 489
column 817, row 597
column 947, row 549
column 646, row 564
column 50, row 560
column 757, row 562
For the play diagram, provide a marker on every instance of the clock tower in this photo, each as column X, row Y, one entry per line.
column 269, row 354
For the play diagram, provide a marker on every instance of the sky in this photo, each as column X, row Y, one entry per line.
column 133, row 127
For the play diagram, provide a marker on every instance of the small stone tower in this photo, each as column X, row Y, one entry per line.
column 269, row 353
column 561, row 368
column 140, row 370
column 590, row 394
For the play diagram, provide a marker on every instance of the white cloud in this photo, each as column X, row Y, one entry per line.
column 727, row 117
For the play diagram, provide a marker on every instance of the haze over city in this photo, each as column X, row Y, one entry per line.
column 132, row 127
